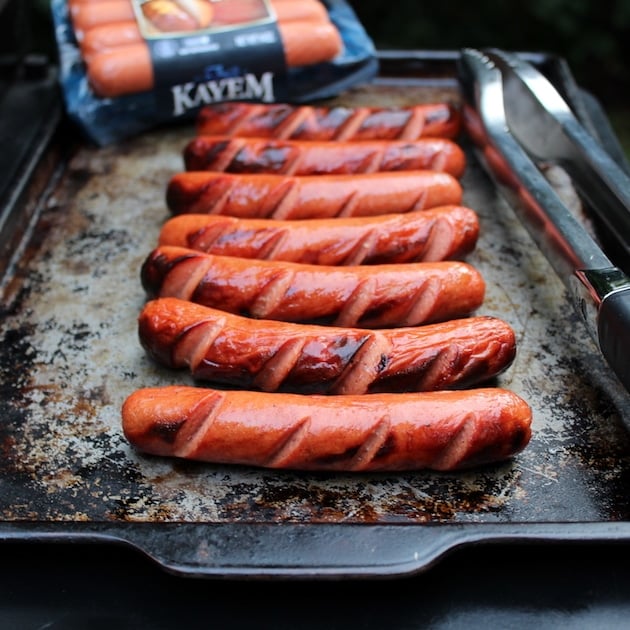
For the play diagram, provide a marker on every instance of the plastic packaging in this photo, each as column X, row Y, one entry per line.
column 190, row 69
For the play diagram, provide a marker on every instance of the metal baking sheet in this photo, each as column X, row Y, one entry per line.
column 70, row 355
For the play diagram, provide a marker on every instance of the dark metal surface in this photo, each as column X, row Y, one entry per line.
column 500, row 586
column 31, row 111
column 69, row 356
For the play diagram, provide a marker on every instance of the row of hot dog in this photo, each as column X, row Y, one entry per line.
column 350, row 338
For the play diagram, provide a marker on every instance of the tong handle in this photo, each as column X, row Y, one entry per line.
column 543, row 122
column 600, row 291
column 613, row 329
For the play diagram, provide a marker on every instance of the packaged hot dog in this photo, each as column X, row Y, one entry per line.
column 130, row 65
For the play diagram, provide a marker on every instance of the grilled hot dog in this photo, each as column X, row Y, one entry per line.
column 309, row 196
column 307, row 122
column 295, row 157
column 445, row 233
column 444, row 430
column 277, row 356
column 363, row 296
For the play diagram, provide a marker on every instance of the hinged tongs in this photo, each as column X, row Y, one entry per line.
column 516, row 116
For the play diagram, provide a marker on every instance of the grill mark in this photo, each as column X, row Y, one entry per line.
column 440, row 115
column 425, row 299
column 291, row 445
column 196, row 426
column 421, row 201
column 276, row 370
column 203, row 340
column 358, row 302
column 349, row 129
column 374, row 165
column 364, row 367
column 363, row 248
column 270, row 249
column 225, row 154
column 184, row 279
column 270, row 297
column 350, row 204
column 496, row 352
column 246, row 118
column 439, row 242
column 292, row 122
column 437, row 162
column 238, row 156
column 292, row 167
column 414, row 126
column 441, row 372
column 219, row 205
column 206, row 237
column 458, row 446
column 166, row 432
column 372, row 445
column 281, row 208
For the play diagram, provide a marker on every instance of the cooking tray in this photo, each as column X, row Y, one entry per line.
column 70, row 356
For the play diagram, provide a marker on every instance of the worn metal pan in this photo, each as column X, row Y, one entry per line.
column 69, row 355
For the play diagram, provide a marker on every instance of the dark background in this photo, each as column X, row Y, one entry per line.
column 592, row 35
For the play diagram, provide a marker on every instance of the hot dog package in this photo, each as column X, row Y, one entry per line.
column 130, row 65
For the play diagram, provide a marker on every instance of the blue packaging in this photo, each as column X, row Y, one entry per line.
column 107, row 120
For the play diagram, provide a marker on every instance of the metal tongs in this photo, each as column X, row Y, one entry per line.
column 516, row 116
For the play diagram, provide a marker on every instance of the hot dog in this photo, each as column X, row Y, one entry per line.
column 310, row 196
column 445, row 233
column 90, row 14
column 85, row 15
column 372, row 296
column 121, row 70
column 118, row 59
column 238, row 11
column 307, row 122
column 276, row 356
column 104, row 37
column 169, row 16
column 128, row 68
column 296, row 157
column 444, row 430
column 97, row 30
column 163, row 16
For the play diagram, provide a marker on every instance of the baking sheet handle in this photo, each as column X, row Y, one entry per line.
column 309, row 551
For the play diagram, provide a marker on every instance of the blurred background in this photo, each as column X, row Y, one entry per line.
column 593, row 37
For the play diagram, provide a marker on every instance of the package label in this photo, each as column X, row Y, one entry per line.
column 206, row 51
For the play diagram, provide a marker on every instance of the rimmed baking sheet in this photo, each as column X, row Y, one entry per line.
column 69, row 355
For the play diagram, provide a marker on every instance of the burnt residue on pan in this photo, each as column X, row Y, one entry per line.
column 69, row 356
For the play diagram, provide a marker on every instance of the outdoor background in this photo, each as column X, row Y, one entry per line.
column 592, row 35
